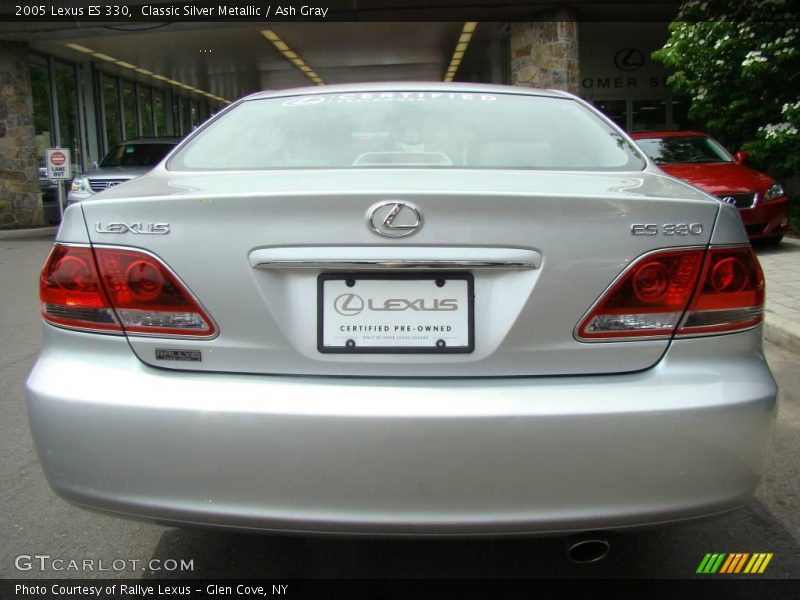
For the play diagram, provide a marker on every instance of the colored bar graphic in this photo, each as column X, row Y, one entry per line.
column 734, row 563
column 741, row 562
column 711, row 563
column 727, row 564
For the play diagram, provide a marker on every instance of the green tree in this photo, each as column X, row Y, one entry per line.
column 740, row 64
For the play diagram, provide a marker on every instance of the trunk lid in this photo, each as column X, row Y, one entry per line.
column 231, row 235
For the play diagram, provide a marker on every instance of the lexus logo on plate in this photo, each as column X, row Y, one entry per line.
column 394, row 219
column 729, row 200
column 348, row 305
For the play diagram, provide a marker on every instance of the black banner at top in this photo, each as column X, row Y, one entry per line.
column 133, row 11
column 127, row 11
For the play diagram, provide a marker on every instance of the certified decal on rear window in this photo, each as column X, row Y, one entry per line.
column 386, row 97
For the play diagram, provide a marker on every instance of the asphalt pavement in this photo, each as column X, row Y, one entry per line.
column 36, row 522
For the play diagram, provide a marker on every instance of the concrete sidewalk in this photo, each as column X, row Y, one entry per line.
column 782, row 270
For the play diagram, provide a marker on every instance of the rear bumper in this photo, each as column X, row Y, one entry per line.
column 485, row 456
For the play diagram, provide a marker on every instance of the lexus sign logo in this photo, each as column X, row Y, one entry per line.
column 394, row 219
column 629, row 59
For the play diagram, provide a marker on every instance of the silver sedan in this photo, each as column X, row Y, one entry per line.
column 404, row 309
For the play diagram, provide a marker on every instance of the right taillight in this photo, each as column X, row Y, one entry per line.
column 679, row 292
column 118, row 290
column 730, row 295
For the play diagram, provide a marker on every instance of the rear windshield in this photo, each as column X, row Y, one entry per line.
column 684, row 149
column 136, row 155
column 408, row 129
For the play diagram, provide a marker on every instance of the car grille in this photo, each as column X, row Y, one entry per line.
column 739, row 200
column 98, row 185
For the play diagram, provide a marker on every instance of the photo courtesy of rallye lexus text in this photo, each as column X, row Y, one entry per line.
column 111, row 589
column 411, row 308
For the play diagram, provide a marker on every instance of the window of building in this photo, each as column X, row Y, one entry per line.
column 616, row 110
column 129, row 106
column 194, row 113
column 68, row 125
column 160, row 114
column 176, row 116
column 146, row 110
column 186, row 116
column 680, row 114
column 649, row 115
column 42, row 117
column 112, row 112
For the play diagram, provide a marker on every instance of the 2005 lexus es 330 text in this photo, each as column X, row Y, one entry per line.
column 404, row 309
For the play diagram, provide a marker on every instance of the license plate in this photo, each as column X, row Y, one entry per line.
column 399, row 313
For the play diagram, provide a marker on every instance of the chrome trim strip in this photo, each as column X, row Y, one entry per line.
column 393, row 264
column 394, row 257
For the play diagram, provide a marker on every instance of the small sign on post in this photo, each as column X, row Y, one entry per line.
column 58, row 163
column 58, row 167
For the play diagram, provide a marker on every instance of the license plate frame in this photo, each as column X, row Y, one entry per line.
column 421, row 276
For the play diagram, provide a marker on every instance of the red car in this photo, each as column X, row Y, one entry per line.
column 704, row 162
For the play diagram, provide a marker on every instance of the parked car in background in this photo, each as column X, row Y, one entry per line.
column 125, row 161
column 702, row 161
column 404, row 309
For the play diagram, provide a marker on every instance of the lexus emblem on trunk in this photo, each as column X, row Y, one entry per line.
column 394, row 218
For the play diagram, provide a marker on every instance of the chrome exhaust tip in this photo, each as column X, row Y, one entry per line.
column 589, row 548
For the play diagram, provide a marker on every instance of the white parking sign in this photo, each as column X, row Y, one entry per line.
column 58, row 163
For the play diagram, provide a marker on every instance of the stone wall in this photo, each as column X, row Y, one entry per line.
column 20, row 196
column 544, row 53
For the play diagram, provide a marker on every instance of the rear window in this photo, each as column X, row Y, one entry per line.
column 441, row 130
column 136, row 155
column 684, row 149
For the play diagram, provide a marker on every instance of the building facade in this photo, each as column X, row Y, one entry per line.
column 87, row 94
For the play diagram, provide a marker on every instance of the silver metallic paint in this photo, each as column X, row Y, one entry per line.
column 424, row 456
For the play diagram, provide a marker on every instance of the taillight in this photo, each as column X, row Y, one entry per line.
column 731, row 295
column 658, row 295
column 115, row 289
column 71, row 292
column 648, row 299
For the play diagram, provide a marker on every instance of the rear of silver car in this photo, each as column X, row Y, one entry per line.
column 400, row 345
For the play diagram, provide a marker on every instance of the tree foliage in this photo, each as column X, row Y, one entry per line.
column 740, row 65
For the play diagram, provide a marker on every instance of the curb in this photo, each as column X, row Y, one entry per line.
column 779, row 330
column 24, row 234
column 791, row 240
column 782, row 331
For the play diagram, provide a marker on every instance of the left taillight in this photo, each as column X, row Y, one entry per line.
column 71, row 292
column 116, row 290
